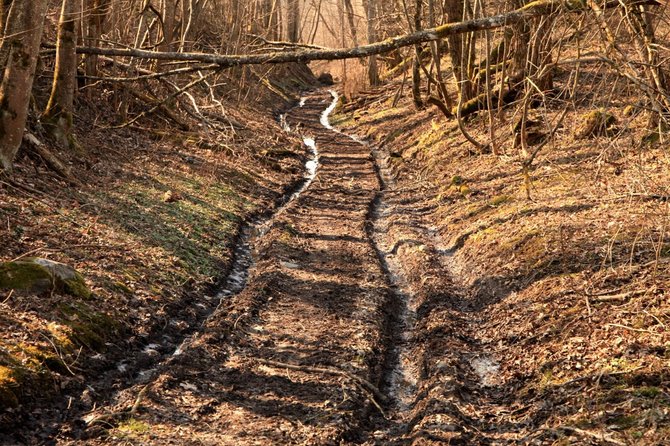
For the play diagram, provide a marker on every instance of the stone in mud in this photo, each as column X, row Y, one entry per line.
column 326, row 79
column 43, row 275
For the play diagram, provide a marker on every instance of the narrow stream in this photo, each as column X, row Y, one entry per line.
column 243, row 259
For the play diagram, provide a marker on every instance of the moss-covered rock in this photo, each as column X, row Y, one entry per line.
column 25, row 276
column 8, row 383
column 43, row 275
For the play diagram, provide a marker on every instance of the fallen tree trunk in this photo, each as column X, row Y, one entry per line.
column 533, row 9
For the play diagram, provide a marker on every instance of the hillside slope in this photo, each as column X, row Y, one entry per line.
column 533, row 319
column 151, row 223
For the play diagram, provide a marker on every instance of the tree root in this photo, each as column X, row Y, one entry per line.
column 370, row 390
column 114, row 418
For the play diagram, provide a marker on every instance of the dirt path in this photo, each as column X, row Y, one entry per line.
column 347, row 328
column 298, row 354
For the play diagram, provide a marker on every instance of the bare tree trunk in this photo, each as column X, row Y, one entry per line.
column 371, row 13
column 235, row 25
column 352, row 23
column 518, row 48
column 639, row 21
column 23, row 35
column 541, row 54
column 5, row 6
column 460, row 47
column 345, row 80
column 317, row 23
column 168, row 12
column 437, row 59
column 57, row 117
column 4, row 9
column 187, row 13
column 94, row 20
column 293, row 25
column 416, row 67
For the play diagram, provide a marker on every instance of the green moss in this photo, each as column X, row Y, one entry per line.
column 342, row 120
column 499, row 200
column 596, row 123
column 648, row 392
column 88, row 327
column 624, row 421
column 24, row 276
column 122, row 287
column 392, row 136
column 134, row 427
column 457, row 180
column 431, row 137
column 61, row 336
column 77, row 287
column 41, row 275
column 8, row 385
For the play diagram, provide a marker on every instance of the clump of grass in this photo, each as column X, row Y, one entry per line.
column 133, row 427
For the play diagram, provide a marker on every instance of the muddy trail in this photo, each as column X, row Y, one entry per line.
column 339, row 324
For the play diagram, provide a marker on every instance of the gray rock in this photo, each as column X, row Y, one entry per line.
column 43, row 275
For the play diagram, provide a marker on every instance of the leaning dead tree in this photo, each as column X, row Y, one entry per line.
column 534, row 9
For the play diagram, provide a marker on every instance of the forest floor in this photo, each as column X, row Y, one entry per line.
column 409, row 294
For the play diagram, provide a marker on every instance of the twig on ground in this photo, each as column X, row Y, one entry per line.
column 59, row 354
column 638, row 330
column 110, row 418
column 52, row 250
column 9, row 296
column 597, row 435
column 365, row 384
column 620, row 296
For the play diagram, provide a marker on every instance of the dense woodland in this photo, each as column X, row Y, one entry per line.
column 487, row 253
column 513, row 60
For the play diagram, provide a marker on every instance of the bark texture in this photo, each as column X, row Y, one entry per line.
column 24, row 32
column 371, row 13
column 94, row 21
column 57, row 117
column 293, row 23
